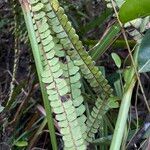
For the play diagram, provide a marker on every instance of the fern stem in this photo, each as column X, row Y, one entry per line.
column 38, row 63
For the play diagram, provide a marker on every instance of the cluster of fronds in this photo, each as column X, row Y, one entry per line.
column 64, row 61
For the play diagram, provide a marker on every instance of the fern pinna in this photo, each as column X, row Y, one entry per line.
column 64, row 60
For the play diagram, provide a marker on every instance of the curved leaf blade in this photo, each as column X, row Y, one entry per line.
column 116, row 59
column 133, row 9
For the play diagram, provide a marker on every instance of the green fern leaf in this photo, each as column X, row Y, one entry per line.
column 71, row 43
column 57, row 88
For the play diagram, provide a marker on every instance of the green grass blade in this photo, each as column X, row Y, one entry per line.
column 124, row 109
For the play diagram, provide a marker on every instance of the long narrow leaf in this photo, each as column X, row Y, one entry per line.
column 105, row 42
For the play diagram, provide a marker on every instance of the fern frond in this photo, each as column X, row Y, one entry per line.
column 71, row 43
column 72, row 76
column 56, row 85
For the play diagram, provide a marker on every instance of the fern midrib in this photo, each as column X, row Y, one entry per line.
column 108, row 94
column 55, row 84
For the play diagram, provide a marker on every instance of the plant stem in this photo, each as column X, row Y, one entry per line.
column 38, row 63
column 125, row 105
column 122, row 117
